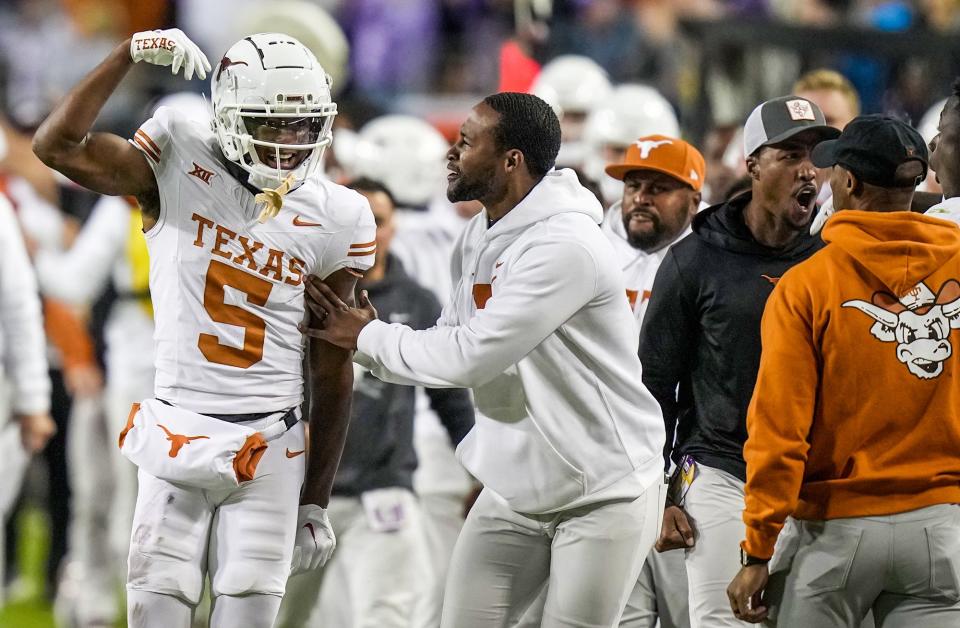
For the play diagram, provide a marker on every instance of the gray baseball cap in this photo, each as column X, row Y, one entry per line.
column 780, row 119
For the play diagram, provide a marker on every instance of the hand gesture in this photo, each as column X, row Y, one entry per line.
column 339, row 324
column 36, row 430
column 169, row 47
column 315, row 540
column 746, row 591
column 676, row 532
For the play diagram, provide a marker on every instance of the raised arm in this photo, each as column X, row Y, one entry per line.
column 104, row 162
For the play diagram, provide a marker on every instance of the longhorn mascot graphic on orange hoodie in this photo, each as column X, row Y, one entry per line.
column 919, row 322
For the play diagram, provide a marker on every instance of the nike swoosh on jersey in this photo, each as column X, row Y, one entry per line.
column 294, row 454
column 303, row 223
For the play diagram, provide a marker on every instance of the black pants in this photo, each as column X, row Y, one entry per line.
column 58, row 491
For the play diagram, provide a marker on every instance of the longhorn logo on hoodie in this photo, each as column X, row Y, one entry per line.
column 919, row 322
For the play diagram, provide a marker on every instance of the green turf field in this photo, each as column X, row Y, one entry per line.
column 30, row 610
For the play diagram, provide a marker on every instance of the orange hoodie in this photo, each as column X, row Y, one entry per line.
column 856, row 410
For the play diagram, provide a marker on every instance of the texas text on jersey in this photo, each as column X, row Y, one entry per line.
column 227, row 289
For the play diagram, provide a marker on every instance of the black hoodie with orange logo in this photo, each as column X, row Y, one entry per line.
column 856, row 411
column 700, row 341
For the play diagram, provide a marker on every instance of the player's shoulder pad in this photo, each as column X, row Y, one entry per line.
column 346, row 207
column 172, row 126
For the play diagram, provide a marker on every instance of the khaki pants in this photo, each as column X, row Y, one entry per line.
column 588, row 557
column 905, row 567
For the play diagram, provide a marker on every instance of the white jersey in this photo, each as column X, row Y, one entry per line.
column 227, row 290
column 639, row 268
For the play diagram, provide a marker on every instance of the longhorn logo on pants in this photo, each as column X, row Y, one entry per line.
column 177, row 441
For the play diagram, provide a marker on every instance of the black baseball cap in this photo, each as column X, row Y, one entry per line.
column 779, row 119
column 873, row 147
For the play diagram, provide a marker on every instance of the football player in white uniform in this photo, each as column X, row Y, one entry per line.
column 227, row 265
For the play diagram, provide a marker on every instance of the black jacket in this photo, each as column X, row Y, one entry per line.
column 379, row 449
column 700, row 340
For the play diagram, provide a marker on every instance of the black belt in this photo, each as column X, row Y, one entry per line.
column 289, row 419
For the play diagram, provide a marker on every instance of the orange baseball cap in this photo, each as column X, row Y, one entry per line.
column 669, row 155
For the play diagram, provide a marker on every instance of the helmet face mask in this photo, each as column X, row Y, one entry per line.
column 283, row 142
column 273, row 114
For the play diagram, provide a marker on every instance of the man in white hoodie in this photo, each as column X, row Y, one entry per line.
column 567, row 441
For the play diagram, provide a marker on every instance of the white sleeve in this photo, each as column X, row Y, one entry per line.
column 21, row 319
column 78, row 275
column 448, row 314
column 535, row 299
column 154, row 139
column 353, row 247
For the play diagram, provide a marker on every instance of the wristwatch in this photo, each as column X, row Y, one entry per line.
column 747, row 560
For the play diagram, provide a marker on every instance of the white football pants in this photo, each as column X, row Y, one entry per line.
column 243, row 537
column 442, row 485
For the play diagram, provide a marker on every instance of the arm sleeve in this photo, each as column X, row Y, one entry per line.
column 353, row 247
column 535, row 299
column 667, row 341
column 778, row 424
column 24, row 358
column 453, row 406
column 77, row 276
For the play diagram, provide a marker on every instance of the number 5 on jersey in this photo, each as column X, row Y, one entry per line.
column 219, row 276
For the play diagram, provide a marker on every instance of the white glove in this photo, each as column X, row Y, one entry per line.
column 315, row 541
column 169, row 47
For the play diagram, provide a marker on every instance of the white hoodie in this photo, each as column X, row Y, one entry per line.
column 539, row 328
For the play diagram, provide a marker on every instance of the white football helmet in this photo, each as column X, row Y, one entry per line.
column 309, row 23
column 572, row 84
column 190, row 104
column 630, row 112
column 930, row 123
column 269, row 92
column 406, row 154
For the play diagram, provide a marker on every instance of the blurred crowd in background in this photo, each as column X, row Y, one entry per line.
column 392, row 49
column 706, row 63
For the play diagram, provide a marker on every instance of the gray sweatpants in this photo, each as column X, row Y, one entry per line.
column 589, row 558
column 906, row 567
column 658, row 599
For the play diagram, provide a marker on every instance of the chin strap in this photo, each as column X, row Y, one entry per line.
column 272, row 199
